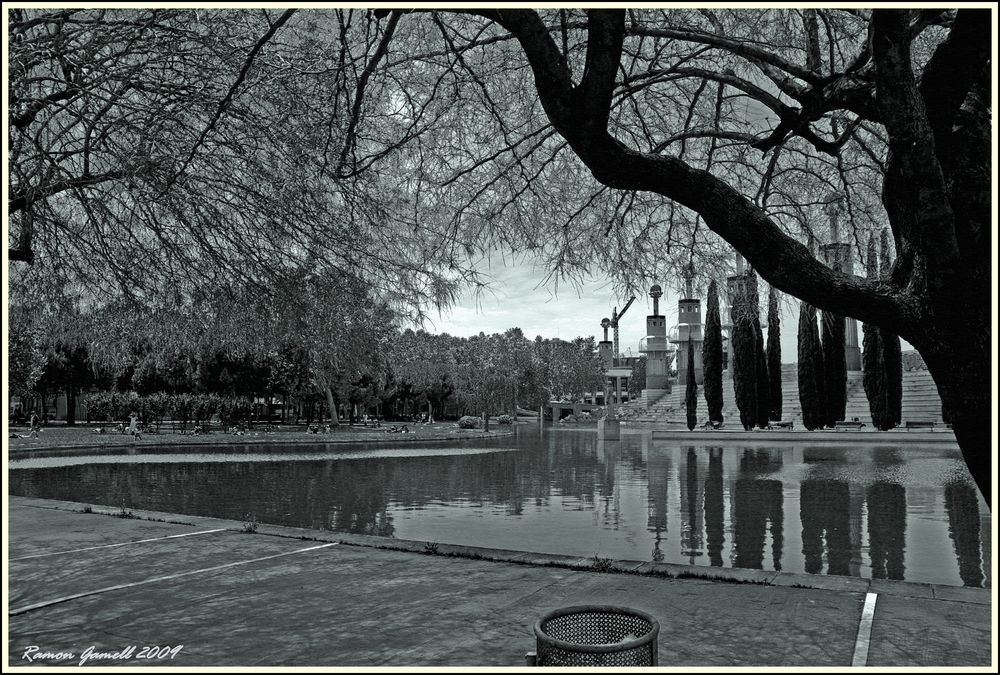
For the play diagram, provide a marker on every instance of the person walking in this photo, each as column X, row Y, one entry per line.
column 34, row 425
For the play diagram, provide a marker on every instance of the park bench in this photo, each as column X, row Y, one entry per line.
column 920, row 424
column 781, row 424
column 848, row 424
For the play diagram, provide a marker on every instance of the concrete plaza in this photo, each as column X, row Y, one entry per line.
column 289, row 597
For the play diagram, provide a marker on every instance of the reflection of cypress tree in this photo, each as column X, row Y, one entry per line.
column 711, row 355
column 715, row 532
column 962, row 503
column 755, row 502
column 887, row 529
column 776, row 514
column 824, row 511
column 749, row 524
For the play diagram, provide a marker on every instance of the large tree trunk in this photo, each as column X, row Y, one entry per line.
column 70, row 406
column 334, row 418
column 959, row 360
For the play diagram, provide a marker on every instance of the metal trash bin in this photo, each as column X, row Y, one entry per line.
column 596, row 635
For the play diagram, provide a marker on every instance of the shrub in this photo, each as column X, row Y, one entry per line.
column 235, row 411
column 505, row 419
column 470, row 422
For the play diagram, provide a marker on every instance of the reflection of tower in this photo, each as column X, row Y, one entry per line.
column 692, row 504
column 658, row 472
column 962, row 504
column 715, row 509
column 887, row 529
column 655, row 347
column 839, row 256
column 689, row 329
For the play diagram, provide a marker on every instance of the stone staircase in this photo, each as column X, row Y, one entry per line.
column 670, row 408
column 921, row 400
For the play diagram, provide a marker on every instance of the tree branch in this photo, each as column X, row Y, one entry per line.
column 781, row 260
column 916, row 175
column 224, row 103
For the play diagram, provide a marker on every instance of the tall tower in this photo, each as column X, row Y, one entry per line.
column 689, row 329
column 605, row 348
column 839, row 256
column 654, row 345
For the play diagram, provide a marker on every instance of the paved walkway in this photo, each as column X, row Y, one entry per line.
column 288, row 597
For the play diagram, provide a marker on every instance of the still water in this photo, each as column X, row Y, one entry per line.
column 907, row 513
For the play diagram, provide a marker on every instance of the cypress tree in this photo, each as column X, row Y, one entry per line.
column 892, row 355
column 773, row 353
column 834, row 367
column 812, row 416
column 691, row 395
column 872, row 378
column 711, row 355
column 744, row 360
column 763, row 388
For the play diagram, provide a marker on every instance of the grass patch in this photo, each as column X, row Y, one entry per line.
column 122, row 513
column 249, row 524
column 602, row 564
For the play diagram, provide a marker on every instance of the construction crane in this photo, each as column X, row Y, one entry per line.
column 615, row 316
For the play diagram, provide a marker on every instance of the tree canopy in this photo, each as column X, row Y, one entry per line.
column 183, row 147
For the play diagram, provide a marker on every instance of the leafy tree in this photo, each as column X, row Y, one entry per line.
column 691, row 394
column 774, row 353
column 711, row 355
column 25, row 353
column 637, row 378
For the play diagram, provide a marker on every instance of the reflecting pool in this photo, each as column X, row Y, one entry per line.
column 890, row 512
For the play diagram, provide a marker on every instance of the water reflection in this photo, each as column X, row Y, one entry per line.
column 715, row 510
column 961, row 502
column 887, row 529
column 568, row 492
column 757, row 501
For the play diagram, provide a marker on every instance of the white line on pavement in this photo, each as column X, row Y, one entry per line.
column 65, row 598
column 124, row 543
column 863, row 641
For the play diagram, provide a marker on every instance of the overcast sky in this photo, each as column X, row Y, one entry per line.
column 519, row 298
